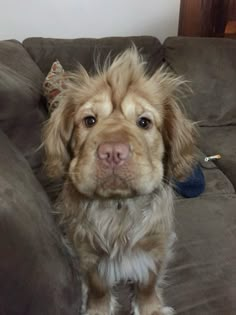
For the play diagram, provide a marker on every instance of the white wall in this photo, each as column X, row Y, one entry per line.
column 88, row 18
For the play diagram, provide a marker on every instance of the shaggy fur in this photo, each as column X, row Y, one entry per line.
column 119, row 218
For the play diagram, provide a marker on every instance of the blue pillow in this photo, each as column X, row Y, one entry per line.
column 193, row 186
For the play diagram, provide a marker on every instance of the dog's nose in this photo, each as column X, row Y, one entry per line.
column 113, row 154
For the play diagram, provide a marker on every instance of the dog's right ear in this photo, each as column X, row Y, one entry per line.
column 57, row 132
column 56, row 137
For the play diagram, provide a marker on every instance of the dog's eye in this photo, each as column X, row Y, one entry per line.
column 90, row 121
column 144, row 123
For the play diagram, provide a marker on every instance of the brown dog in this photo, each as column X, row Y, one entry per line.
column 117, row 138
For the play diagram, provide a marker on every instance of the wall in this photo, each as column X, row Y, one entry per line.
column 88, row 18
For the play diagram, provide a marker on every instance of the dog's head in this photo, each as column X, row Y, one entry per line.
column 116, row 133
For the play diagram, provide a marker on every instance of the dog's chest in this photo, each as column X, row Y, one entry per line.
column 118, row 230
column 133, row 265
column 119, row 226
column 115, row 230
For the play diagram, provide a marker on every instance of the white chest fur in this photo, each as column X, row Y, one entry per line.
column 133, row 266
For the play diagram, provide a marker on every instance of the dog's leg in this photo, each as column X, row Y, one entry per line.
column 148, row 299
column 99, row 295
column 148, row 295
column 147, row 302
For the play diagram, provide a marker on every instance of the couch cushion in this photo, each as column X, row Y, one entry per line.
column 36, row 272
column 70, row 52
column 216, row 181
column 210, row 65
column 20, row 90
column 221, row 140
column 202, row 275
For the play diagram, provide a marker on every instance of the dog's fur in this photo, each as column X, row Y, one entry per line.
column 119, row 219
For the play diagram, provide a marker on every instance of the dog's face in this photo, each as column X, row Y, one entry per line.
column 117, row 148
column 116, row 134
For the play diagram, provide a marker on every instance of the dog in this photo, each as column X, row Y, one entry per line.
column 117, row 138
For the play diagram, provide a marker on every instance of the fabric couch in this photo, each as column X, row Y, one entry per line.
column 37, row 273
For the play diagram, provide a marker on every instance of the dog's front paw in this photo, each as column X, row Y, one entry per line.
column 97, row 311
column 98, row 306
column 152, row 306
column 168, row 311
column 152, row 310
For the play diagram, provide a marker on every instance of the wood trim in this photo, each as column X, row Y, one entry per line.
column 205, row 17
column 232, row 10
column 189, row 19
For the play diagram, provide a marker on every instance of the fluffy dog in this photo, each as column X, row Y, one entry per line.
column 117, row 138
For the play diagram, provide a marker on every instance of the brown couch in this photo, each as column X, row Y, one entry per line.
column 37, row 273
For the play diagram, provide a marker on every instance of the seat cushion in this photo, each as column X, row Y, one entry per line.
column 21, row 113
column 70, row 52
column 209, row 64
column 202, row 276
column 36, row 273
column 215, row 181
column 221, row 140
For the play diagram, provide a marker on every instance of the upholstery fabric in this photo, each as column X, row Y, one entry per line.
column 70, row 52
column 36, row 271
column 221, row 140
column 201, row 278
column 21, row 112
column 209, row 64
column 216, row 181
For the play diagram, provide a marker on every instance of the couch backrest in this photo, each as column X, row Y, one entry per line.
column 70, row 52
column 21, row 116
column 209, row 64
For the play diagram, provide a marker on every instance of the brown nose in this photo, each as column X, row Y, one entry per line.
column 113, row 154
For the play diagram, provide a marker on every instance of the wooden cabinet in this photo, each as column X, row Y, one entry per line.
column 205, row 17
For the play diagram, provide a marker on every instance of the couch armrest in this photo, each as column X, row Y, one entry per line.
column 36, row 271
column 22, row 111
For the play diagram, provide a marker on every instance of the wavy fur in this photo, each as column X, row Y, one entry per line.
column 120, row 220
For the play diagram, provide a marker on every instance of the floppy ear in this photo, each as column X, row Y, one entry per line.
column 58, row 130
column 56, row 136
column 178, row 132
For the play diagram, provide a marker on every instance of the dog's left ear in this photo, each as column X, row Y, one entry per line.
column 178, row 132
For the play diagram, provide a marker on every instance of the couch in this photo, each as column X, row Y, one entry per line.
column 38, row 274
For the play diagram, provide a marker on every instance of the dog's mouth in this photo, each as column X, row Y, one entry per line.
column 114, row 177
column 113, row 182
column 114, row 186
